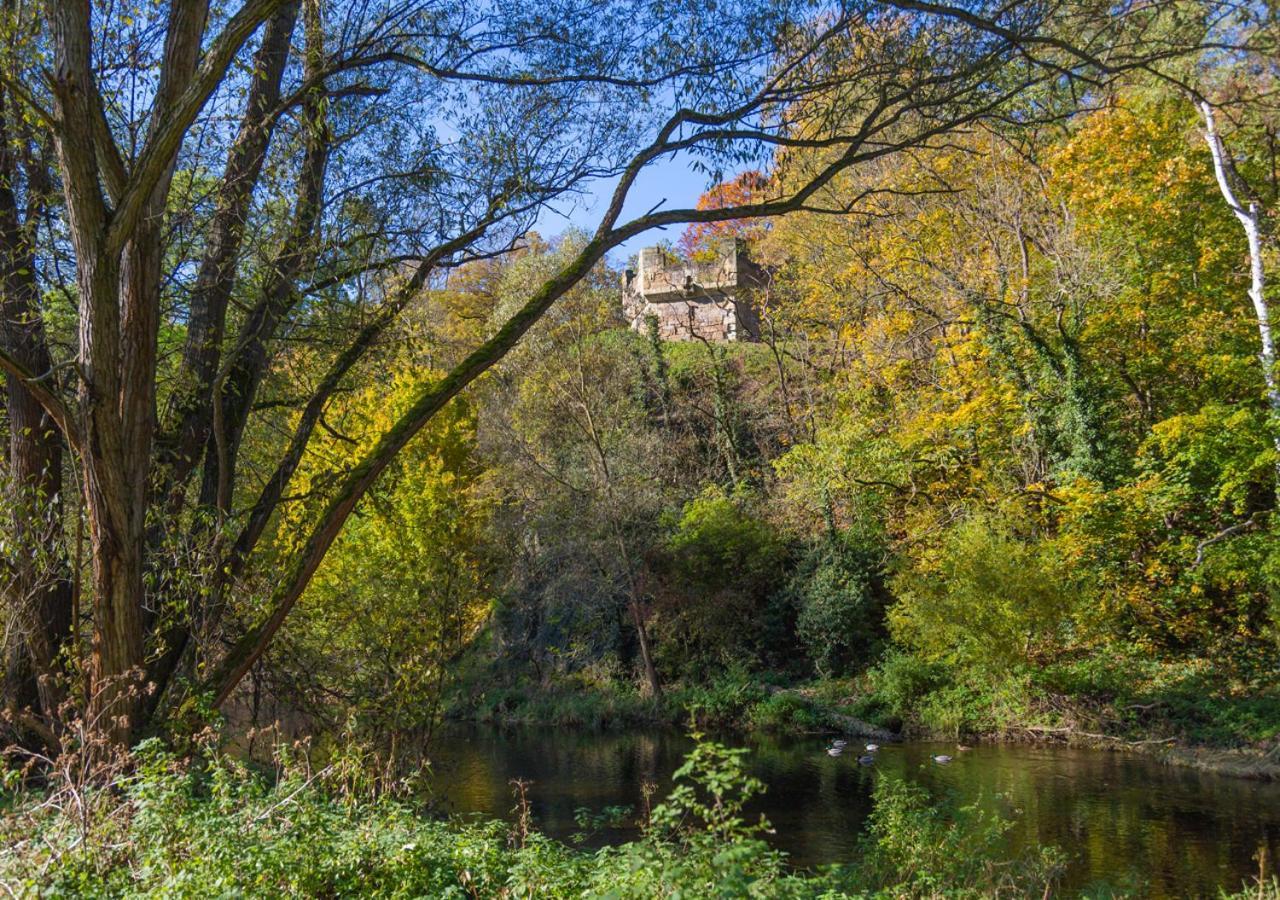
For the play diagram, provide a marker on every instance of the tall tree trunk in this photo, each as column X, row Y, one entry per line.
column 230, row 391
column 652, row 683
column 114, row 213
column 236, row 387
column 119, row 283
column 1249, row 214
column 40, row 600
column 121, row 590
column 189, row 413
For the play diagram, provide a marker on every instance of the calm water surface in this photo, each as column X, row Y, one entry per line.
column 1126, row 822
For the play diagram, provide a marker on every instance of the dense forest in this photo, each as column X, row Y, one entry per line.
column 325, row 434
column 1001, row 460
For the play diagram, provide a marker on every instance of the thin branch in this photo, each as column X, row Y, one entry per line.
column 170, row 131
column 51, row 402
column 1230, row 531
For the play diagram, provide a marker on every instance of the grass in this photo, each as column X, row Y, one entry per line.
column 1205, row 713
column 730, row 702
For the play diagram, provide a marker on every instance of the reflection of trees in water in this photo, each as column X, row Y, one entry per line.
column 1125, row 820
column 1180, row 830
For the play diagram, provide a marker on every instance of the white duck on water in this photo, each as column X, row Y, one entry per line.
column 942, row 759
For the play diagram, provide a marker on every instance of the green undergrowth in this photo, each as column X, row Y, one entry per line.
column 732, row 702
column 211, row 827
column 1123, row 698
column 1113, row 698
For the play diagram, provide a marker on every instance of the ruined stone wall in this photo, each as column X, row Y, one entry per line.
column 712, row 300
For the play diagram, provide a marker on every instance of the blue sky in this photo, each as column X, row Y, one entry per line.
column 668, row 178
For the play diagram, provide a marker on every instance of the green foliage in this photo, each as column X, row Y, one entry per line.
column 404, row 587
column 1128, row 696
column 211, row 827
column 575, row 461
column 902, row 680
column 722, row 563
column 921, row 847
column 185, row 832
column 788, row 713
column 1194, row 700
column 988, row 598
column 716, row 538
column 699, row 842
column 1011, row 436
column 723, row 701
column 840, row 602
column 567, row 704
column 733, row 700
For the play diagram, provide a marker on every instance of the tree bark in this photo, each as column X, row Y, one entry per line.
column 189, row 414
column 117, row 578
column 646, row 655
column 234, row 391
column 218, row 411
column 40, row 588
column 1250, row 217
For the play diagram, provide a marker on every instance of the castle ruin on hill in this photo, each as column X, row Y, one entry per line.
column 715, row 300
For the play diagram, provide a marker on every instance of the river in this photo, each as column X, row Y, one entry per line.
column 1125, row 821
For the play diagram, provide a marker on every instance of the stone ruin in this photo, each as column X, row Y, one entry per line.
column 715, row 300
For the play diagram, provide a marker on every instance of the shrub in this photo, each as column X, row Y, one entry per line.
column 719, row 566
column 699, row 842
column 787, row 712
column 722, row 703
column 984, row 597
column 210, row 827
column 901, row 681
column 922, row 846
column 839, row 604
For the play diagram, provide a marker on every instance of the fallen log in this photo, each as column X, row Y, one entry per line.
column 850, row 725
column 858, row 728
column 1068, row 731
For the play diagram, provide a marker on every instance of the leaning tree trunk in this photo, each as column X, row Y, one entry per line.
column 651, row 681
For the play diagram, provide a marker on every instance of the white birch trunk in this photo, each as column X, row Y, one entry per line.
column 1250, row 217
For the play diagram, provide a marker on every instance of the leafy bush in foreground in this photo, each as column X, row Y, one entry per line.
column 210, row 827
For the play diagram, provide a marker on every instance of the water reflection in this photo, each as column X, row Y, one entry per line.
column 1125, row 821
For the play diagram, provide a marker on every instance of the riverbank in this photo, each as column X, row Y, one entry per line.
column 178, row 827
column 1120, row 820
column 1186, row 715
column 1259, row 763
column 170, row 826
